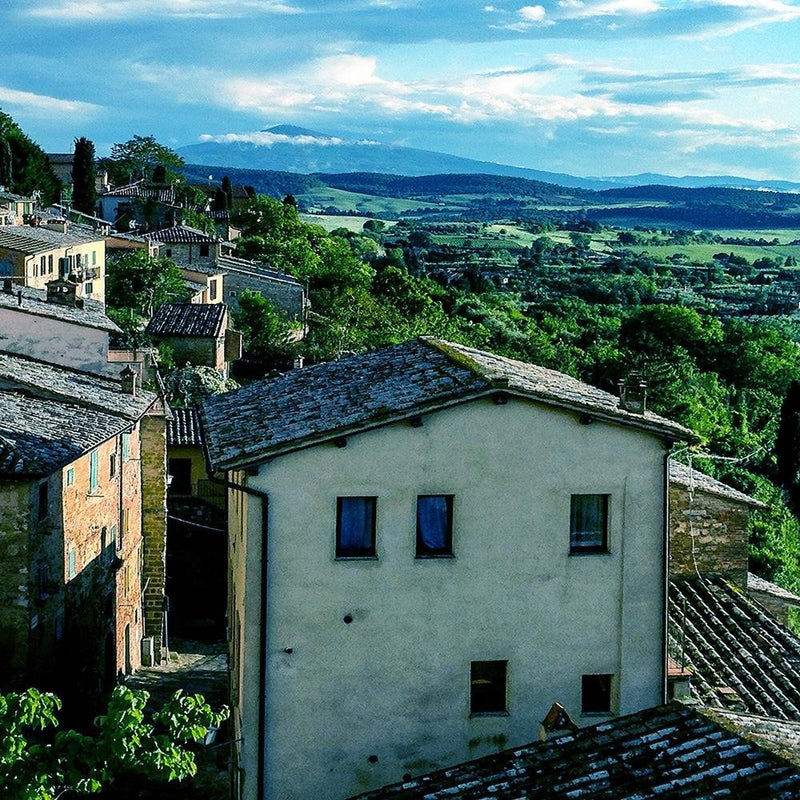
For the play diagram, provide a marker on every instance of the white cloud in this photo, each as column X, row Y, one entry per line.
column 39, row 104
column 532, row 13
column 267, row 139
column 107, row 10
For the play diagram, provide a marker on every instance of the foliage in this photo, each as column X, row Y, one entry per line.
column 186, row 386
column 31, row 171
column 137, row 159
column 268, row 335
column 139, row 284
column 84, row 174
column 39, row 761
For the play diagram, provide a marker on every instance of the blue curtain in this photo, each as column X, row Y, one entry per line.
column 433, row 521
column 356, row 525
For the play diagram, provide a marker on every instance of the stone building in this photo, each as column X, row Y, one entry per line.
column 73, row 549
column 428, row 546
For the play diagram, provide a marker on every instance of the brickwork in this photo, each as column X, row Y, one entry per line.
column 708, row 534
column 154, row 527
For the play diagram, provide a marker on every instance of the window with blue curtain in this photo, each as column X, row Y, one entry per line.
column 355, row 527
column 434, row 525
column 588, row 523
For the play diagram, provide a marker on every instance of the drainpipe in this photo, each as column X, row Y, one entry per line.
column 263, row 497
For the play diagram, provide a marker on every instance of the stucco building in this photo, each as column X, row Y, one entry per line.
column 429, row 545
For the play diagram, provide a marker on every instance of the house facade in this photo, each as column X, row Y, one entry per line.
column 429, row 545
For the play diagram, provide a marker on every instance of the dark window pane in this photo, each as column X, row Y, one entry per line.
column 434, row 524
column 588, row 523
column 355, row 526
column 488, row 687
column 595, row 694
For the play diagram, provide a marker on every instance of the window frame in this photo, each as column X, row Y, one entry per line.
column 578, row 547
column 370, row 553
column 478, row 706
column 446, row 551
column 94, row 471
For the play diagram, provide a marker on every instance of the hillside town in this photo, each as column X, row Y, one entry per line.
column 434, row 570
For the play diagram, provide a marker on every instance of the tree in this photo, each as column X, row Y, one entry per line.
column 31, row 171
column 84, row 175
column 228, row 189
column 138, row 158
column 6, row 164
column 268, row 335
column 186, row 386
column 140, row 284
column 787, row 446
column 40, row 762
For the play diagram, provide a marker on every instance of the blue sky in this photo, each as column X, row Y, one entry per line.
column 589, row 87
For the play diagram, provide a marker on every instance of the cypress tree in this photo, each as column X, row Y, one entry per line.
column 84, row 174
column 787, row 446
column 6, row 171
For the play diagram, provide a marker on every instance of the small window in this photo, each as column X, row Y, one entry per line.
column 70, row 477
column 126, row 446
column 94, row 258
column 355, row 527
column 112, row 465
column 93, row 471
column 112, row 536
column 88, row 288
column 169, row 252
column 434, row 525
column 232, row 294
column 50, row 264
column 588, row 523
column 212, row 290
column 43, row 501
column 488, row 687
column 596, row 694
column 204, row 251
column 72, row 569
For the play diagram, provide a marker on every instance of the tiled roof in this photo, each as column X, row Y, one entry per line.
column 739, row 656
column 39, row 435
column 181, row 234
column 386, row 385
column 4, row 195
column 84, row 388
column 233, row 264
column 696, row 480
column 184, row 428
column 162, row 194
column 779, row 736
column 667, row 752
column 188, row 319
column 756, row 584
column 32, row 240
column 34, row 301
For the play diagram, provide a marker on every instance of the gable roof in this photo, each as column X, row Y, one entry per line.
column 683, row 475
column 232, row 264
column 181, row 234
column 184, row 428
column 188, row 319
column 32, row 240
column 316, row 404
column 91, row 391
column 757, row 584
column 730, row 644
column 34, row 301
column 671, row 752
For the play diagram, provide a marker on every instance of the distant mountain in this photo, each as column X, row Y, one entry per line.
column 698, row 182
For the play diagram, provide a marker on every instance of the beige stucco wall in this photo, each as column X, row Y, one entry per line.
column 395, row 683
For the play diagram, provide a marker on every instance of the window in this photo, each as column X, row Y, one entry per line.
column 488, row 687
column 72, row 570
column 123, row 524
column 204, row 251
column 596, row 694
column 355, row 527
column 70, row 477
column 180, row 471
column 93, row 471
column 50, row 264
column 212, row 290
column 94, row 258
column 169, row 252
column 434, row 525
column 43, row 501
column 588, row 523
column 112, row 536
column 126, row 446
column 89, row 288
column 42, row 265
column 112, row 465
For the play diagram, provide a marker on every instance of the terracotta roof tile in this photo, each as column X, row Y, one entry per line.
column 738, row 654
column 385, row 385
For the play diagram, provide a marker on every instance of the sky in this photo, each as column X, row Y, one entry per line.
column 587, row 87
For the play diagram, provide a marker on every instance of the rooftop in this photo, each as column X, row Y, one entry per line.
column 34, row 301
column 188, row 319
column 181, row 234
column 698, row 481
column 671, row 752
column 184, row 428
column 756, row 584
column 86, row 389
column 739, row 656
column 37, row 239
column 233, row 264
column 387, row 385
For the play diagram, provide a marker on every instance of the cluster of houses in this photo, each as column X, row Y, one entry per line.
column 449, row 573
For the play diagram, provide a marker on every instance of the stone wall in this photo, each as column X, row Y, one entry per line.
column 708, row 534
column 154, row 528
column 288, row 296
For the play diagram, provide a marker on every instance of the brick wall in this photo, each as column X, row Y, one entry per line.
column 710, row 532
column 154, row 527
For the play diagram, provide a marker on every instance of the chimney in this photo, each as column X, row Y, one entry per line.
column 62, row 291
column 298, row 362
column 128, row 378
column 633, row 393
